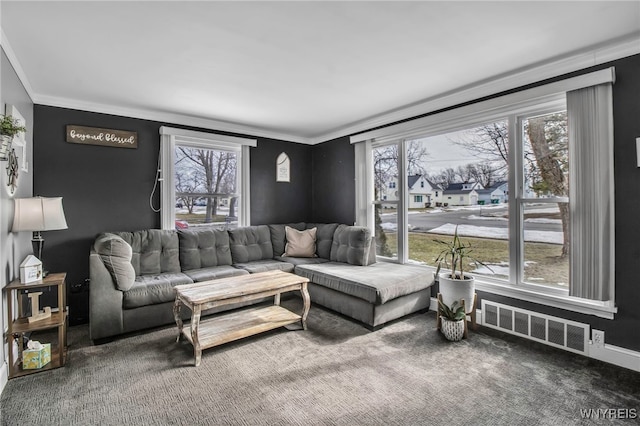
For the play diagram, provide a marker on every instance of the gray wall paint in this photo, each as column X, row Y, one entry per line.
column 14, row 247
column 333, row 187
column 280, row 202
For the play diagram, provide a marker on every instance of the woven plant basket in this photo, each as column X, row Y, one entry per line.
column 452, row 330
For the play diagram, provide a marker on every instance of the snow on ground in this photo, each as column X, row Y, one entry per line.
column 476, row 217
column 551, row 237
column 543, row 220
column 393, row 227
column 497, row 233
column 495, row 270
column 531, row 220
column 545, row 209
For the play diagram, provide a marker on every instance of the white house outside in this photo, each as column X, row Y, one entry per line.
column 422, row 192
column 462, row 194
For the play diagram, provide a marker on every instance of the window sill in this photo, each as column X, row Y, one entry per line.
column 600, row 309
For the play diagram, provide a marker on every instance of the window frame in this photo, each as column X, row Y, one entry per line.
column 512, row 107
column 170, row 138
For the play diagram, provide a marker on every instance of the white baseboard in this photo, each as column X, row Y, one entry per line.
column 4, row 376
column 597, row 349
column 616, row 355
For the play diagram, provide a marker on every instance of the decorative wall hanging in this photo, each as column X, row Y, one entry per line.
column 12, row 172
column 103, row 137
column 283, row 168
column 19, row 140
column 10, row 129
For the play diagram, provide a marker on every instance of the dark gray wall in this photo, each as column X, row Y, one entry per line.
column 334, row 182
column 280, row 202
column 108, row 189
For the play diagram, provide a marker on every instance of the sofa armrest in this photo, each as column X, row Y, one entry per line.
column 105, row 301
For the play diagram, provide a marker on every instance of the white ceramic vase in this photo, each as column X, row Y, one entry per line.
column 452, row 330
column 455, row 290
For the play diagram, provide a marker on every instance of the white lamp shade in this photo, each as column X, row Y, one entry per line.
column 38, row 214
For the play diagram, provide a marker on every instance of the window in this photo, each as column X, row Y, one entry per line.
column 507, row 173
column 205, row 186
column 205, row 180
column 417, row 199
column 392, row 185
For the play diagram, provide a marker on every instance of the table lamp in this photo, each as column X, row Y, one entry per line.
column 38, row 214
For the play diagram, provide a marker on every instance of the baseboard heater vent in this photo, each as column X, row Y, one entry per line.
column 559, row 332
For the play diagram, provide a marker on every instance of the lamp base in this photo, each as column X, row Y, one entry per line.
column 37, row 242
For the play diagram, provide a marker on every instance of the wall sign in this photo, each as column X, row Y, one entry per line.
column 104, row 137
column 283, row 168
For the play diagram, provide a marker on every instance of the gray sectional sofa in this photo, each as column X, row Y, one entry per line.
column 132, row 274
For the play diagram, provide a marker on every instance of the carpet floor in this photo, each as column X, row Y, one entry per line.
column 335, row 373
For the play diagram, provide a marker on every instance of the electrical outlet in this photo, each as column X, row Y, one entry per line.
column 597, row 338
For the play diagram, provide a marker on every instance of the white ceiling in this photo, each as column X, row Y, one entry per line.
column 302, row 71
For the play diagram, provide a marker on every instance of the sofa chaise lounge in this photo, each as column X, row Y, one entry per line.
column 132, row 274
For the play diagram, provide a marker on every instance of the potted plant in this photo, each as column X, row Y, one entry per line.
column 9, row 127
column 452, row 320
column 456, row 285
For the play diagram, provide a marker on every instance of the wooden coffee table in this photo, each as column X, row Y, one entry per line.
column 225, row 328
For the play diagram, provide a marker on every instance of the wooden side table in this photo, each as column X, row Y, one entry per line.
column 19, row 326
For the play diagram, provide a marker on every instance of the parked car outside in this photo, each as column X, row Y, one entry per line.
column 181, row 224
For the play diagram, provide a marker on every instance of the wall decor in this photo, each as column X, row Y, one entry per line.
column 12, row 131
column 19, row 140
column 103, row 137
column 283, row 168
column 12, row 173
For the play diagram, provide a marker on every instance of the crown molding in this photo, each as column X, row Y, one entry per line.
column 168, row 117
column 586, row 58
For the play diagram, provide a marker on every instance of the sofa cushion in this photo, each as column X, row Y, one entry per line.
column 265, row 265
column 203, row 248
column 154, row 250
column 278, row 235
column 300, row 243
column 213, row 273
column 250, row 243
column 377, row 283
column 351, row 244
column 116, row 255
column 324, row 238
column 153, row 289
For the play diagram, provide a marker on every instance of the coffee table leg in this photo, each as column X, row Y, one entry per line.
column 176, row 315
column 195, row 324
column 307, row 305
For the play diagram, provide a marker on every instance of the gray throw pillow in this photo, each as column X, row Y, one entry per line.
column 116, row 255
column 352, row 244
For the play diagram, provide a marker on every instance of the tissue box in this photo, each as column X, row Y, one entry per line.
column 36, row 358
